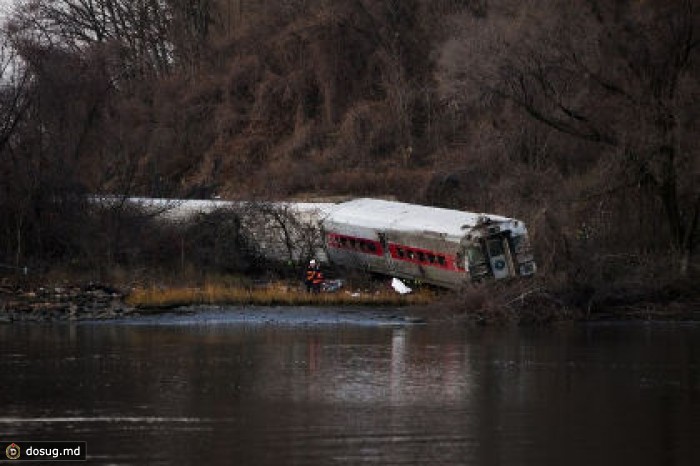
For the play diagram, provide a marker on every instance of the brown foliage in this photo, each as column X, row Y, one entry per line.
column 578, row 117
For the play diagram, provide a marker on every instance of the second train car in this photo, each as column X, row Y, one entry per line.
column 444, row 247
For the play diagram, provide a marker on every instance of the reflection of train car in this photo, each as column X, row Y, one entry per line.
column 444, row 247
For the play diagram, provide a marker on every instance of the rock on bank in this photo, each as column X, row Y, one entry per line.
column 64, row 302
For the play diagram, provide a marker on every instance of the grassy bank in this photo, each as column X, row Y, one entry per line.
column 272, row 295
column 540, row 300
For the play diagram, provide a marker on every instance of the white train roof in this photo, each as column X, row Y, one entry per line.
column 374, row 214
column 380, row 214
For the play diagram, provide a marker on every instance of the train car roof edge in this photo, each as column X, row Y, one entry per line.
column 391, row 215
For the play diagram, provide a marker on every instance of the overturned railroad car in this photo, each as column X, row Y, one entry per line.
column 444, row 247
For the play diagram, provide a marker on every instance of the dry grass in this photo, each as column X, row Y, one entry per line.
column 277, row 295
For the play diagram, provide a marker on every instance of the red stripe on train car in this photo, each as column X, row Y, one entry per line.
column 424, row 257
column 355, row 244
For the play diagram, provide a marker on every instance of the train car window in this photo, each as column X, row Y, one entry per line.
column 421, row 256
column 441, row 260
column 495, row 248
column 372, row 247
column 353, row 244
column 363, row 246
column 475, row 255
column 431, row 258
column 400, row 253
column 342, row 242
column 411, row 255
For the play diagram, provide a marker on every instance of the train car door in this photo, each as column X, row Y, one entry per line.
column 387, row 253
column 497, row 257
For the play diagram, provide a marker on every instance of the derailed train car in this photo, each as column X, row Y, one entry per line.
column 448, row 248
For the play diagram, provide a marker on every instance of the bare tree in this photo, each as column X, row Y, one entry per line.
column 619, row 75
column 144, row 37
column 281, row 231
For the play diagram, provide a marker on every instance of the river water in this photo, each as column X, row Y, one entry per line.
column 215, row 388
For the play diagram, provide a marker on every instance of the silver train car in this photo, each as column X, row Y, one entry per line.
column 447, row 248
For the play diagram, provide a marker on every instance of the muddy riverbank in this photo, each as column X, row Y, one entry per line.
column 63, row 302
column 98, row 301
column 104, row 302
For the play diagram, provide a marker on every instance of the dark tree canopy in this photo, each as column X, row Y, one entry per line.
column 579, row 117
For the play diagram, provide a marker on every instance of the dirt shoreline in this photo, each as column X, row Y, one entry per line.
column 96, row 301
column 63, row 302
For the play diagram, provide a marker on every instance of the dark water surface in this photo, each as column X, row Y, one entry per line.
column 211, row 390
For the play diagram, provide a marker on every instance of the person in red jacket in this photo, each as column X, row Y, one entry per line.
column 317, row 280
column 313, row 277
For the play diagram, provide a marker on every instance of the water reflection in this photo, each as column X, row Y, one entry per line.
column 600, row 394
column 394, row 370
